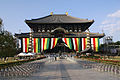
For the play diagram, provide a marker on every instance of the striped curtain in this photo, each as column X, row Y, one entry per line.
column 73, row 43
column 25, row 44
column 68, row 42
column 84, row 43
column 39, row 44
column 95, row 44
column 79, row 44
column 53, row 42
column 44, row 43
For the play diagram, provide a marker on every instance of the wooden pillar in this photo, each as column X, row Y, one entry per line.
column 30, row 49
column 88, row 38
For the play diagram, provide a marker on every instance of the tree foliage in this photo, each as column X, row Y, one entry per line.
column 0, row 25
column 117, row 43
column 7, row 43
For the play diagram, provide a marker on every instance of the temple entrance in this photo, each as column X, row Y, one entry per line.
column 60, row 47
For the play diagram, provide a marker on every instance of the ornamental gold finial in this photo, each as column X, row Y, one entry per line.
column 66, row 13
column 51, row 13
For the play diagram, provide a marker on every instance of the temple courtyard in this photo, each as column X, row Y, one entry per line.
column 61, row 69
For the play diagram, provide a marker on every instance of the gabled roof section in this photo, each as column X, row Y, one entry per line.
column 59, row 18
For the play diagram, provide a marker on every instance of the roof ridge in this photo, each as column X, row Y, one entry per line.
column 59, row 14
column 42, row 17
column 79, row 18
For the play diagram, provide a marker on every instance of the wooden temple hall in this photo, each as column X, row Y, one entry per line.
column 59, row 33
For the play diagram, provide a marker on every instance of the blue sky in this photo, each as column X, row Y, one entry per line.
column 106, row 13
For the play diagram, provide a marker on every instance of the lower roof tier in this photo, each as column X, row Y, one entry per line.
column 52, row 35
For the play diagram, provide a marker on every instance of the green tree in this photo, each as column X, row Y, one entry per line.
column 0, row 22
column 117, row 43
column 7, row 43
column 0, row 25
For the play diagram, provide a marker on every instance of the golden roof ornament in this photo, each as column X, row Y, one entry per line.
column 51, row 13
column 66, row 13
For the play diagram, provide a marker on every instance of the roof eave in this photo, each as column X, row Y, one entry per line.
column 28, row 22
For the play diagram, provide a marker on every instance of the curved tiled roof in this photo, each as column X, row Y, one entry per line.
column 59, row 18
column 47, row 34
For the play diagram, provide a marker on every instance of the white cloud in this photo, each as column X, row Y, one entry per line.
column 105, row 22
column 115, row 14
column 109, row 20
column 111, row 25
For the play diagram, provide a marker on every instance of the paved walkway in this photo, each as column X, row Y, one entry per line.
column 67, row 70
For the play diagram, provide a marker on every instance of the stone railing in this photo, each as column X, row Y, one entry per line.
column 108, row 68
column 25, row 69
column 114, row 69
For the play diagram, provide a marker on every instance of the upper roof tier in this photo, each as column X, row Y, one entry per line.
column 58, row 18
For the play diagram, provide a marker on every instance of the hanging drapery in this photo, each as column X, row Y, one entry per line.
column 45, row 43
column 53, row 42
column 84, row 43
column 39, row 44
column 73, row 43
column 68, row 42
column 95, row 44
column 25, row 44
column 77, row 44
